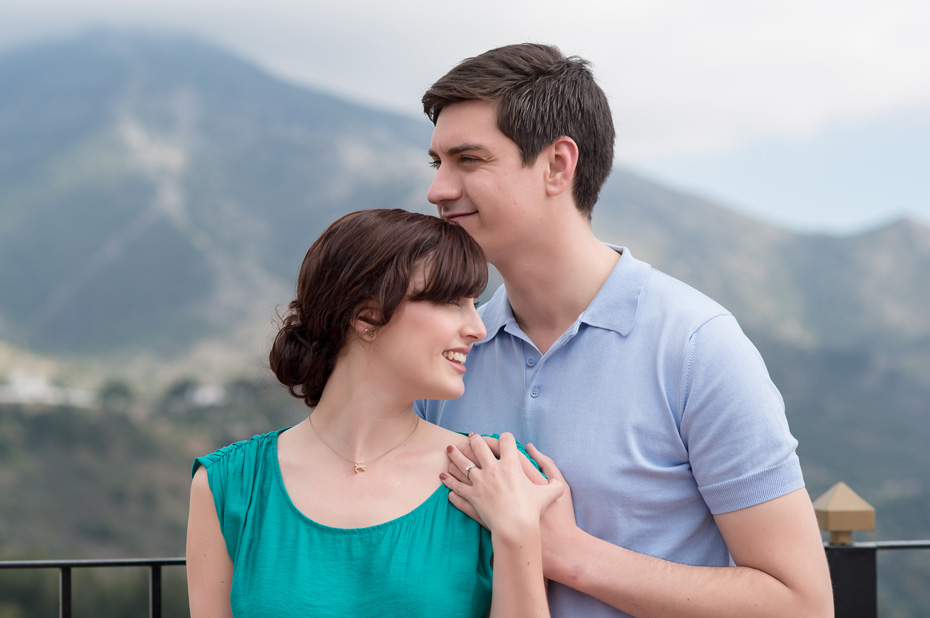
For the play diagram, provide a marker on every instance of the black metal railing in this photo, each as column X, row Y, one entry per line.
column 854, row 571
column 66, row 566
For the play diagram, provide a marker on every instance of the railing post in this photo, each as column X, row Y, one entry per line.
column 853, row 570
column 855, row 581
column 155, row 591
column 64, row 592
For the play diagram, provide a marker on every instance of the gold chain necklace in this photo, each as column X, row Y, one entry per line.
column 360, row 465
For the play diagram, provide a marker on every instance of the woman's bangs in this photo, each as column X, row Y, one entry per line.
column 453, row 271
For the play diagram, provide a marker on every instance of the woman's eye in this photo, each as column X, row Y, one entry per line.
column 455, row 302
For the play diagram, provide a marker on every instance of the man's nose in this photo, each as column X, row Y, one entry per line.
column 443, row 189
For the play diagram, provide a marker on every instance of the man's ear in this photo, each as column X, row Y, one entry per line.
column 562, row 156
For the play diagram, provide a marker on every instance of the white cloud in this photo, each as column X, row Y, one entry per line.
column 682, row 75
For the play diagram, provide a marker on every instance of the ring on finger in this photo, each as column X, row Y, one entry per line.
column 468, row 470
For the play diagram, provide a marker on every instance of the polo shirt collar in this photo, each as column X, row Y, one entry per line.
column 496, row 314
column 613, row 308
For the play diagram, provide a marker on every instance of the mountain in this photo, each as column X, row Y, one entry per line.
column 157, row 196
column 812, row 290
column 152, row 188
column 156, row 191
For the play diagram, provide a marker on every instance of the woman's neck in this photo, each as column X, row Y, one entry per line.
column 359, row 421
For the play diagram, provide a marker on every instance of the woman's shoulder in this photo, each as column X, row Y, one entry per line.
column 243, row 450
column 443, row 436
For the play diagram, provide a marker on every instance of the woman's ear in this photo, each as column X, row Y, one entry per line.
column 562, row 155
column 370, row 333
column 364, row 324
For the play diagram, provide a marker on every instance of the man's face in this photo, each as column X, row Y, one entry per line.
column 481, row 182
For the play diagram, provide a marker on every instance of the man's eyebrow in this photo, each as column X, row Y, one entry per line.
column 458, row 149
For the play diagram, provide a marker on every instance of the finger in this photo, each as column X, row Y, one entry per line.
column 466, row 449
column 526, row 465
column 483, row 454
column 551, row 492
column 554, row 490
column 508, row 446
column 457, row 473
column 458, row 458
column 493, row 444
column 529, row 469
column 546, row 464
column 465, row 506
column 457, row 497
column 454, row 485
column 532, row 472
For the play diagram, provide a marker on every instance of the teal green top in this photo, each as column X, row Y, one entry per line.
column 434, row 561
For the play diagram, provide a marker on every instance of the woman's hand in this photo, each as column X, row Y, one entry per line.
column 506, row 494
column 558, row 526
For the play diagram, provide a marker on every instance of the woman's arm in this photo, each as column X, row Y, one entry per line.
column 209, row 569
column 510, row 505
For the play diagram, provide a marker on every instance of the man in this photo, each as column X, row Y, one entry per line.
column 686, row 493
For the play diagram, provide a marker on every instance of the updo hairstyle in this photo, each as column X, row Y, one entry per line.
column 360, row 268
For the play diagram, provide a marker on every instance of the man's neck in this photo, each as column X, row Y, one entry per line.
column 549, row 287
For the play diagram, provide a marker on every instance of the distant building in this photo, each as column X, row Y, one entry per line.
column 28, row 389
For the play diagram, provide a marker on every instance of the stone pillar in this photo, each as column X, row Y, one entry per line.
column 841, row 511
column 853, row 569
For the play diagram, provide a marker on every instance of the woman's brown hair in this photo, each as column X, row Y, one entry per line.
column 360, row 268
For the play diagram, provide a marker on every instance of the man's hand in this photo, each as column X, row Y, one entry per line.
column 558, row 521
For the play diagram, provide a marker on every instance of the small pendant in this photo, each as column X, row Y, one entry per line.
column 359, row 467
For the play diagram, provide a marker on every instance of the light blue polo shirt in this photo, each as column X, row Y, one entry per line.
column 656, row 407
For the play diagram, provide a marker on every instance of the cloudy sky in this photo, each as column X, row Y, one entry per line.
column 813, row 114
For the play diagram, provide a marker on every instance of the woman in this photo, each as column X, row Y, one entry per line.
column 345, row 513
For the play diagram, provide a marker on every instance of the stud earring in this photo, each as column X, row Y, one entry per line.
column 370, row 332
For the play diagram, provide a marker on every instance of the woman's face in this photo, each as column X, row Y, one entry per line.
column 422, row 349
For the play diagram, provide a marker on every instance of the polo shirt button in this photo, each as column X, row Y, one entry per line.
column 531, row 361
column 534, row 392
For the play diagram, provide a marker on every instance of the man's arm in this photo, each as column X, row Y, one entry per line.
column 781, row 567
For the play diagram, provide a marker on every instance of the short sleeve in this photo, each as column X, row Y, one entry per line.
column 733, row 422
column 231, row 474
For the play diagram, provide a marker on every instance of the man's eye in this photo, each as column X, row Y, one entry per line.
column 434, row 164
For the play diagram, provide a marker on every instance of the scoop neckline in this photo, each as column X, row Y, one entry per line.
column 279, row 481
